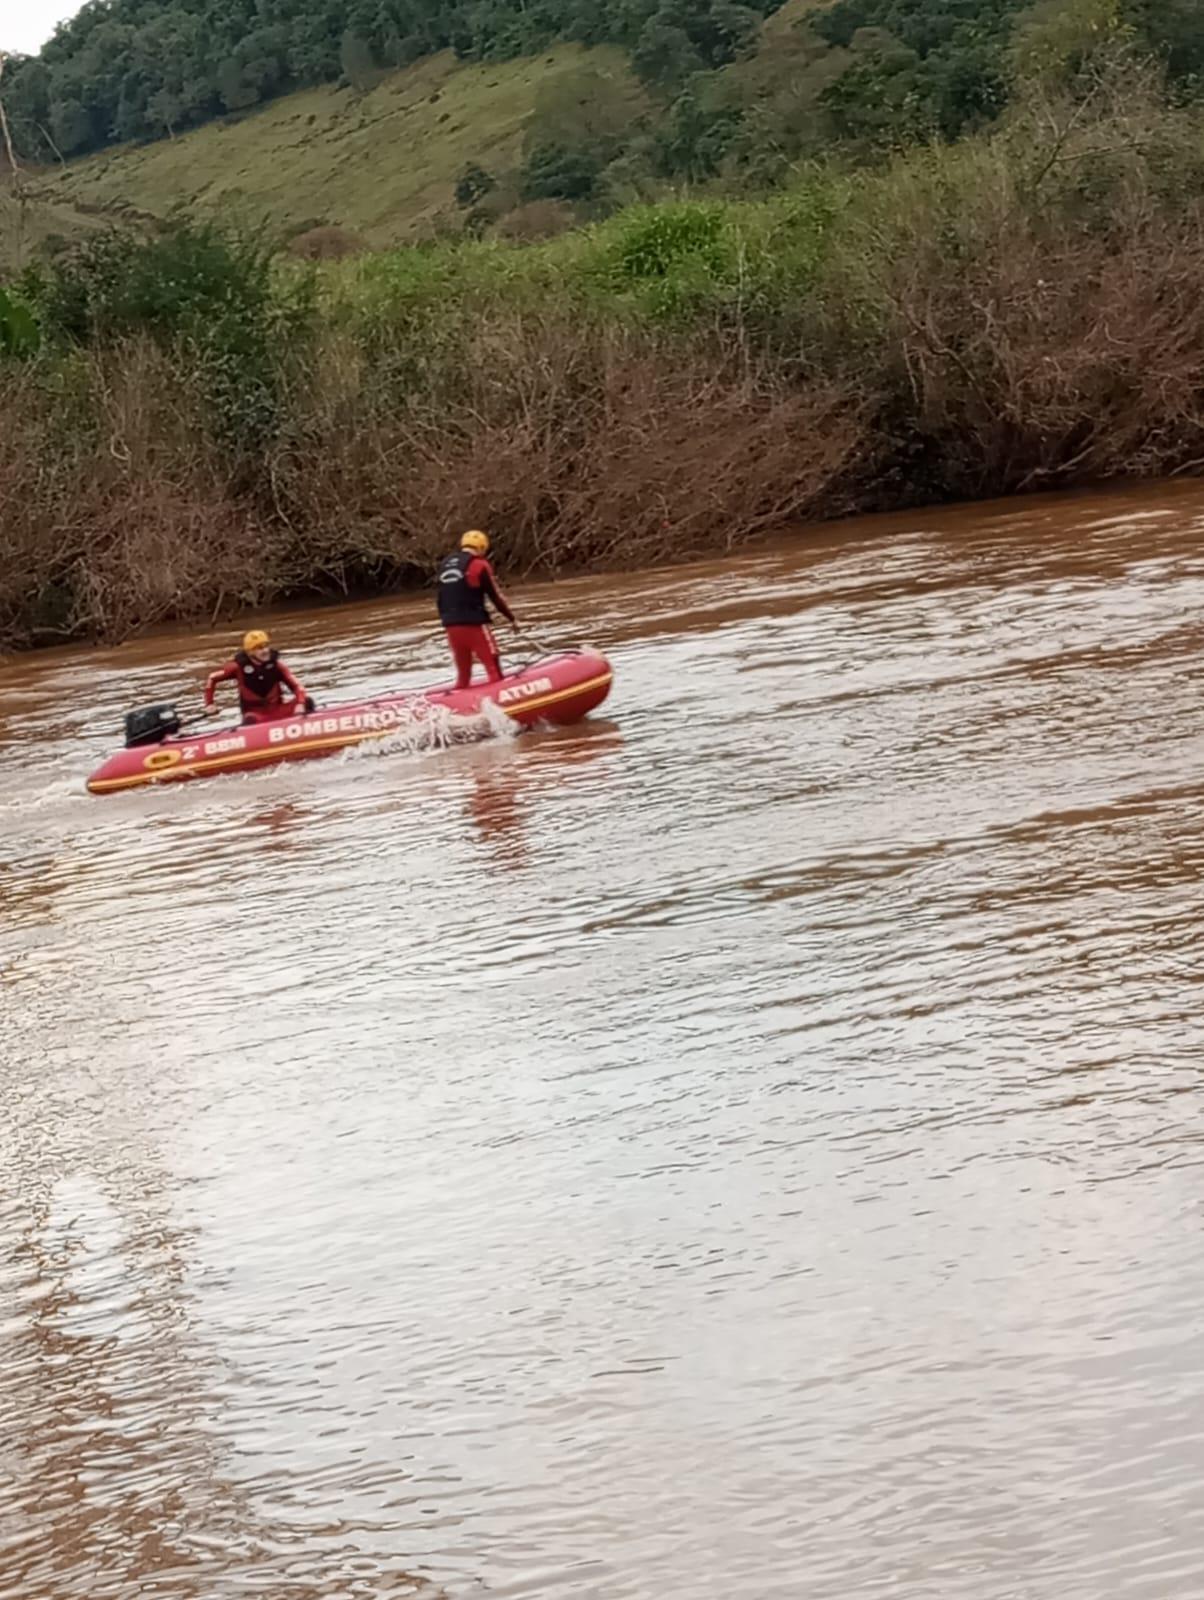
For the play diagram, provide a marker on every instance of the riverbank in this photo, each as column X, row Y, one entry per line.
column 203, row 430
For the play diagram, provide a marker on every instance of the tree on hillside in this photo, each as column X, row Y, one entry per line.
column 473, row 184
column 71, row 125
column 355, row 58
column 664, row 52
column 1175, row 29
column 580, row 124
column 237, row 93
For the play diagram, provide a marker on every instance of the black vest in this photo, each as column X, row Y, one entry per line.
column 460, row 605
column 256, row 681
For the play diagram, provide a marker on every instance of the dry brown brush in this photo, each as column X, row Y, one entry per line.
column 591, row 446
column 115, row 509
column 1027, row 350
column 587, row 450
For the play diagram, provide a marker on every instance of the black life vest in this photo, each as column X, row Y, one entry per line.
column 460, row 605
column 259, row 683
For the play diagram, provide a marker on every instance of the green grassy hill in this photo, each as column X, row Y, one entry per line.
column 382, row 163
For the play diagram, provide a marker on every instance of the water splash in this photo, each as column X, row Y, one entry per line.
column 430, row 726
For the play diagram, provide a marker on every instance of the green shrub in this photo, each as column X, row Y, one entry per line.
column 190, row 279
column 216, row 300
column 654, row 241
column 19, row 331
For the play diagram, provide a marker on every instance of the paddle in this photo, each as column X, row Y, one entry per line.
column 524, row 634
column 541, row 644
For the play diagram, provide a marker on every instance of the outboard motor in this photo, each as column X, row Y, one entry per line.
column 150, row 725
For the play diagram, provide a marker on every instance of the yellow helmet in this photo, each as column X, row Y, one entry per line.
column 476, row 541
column 255, row 640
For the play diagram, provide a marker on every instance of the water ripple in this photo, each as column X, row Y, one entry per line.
column 742, row 1146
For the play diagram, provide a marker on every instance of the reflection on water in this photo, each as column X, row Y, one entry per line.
column 283, row 825
column 505, row 799
column 744, row 1147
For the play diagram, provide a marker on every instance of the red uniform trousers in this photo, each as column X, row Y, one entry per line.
column 469, row 640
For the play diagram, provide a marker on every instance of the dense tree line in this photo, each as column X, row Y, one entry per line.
column 867, row 73
column 144, row 69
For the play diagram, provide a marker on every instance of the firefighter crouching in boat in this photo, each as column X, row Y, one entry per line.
column 465, row 582
column 262, row 679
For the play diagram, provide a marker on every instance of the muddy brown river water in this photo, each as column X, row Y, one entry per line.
column 745, row 1147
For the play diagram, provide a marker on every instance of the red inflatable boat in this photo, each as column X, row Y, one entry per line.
column 560, row 689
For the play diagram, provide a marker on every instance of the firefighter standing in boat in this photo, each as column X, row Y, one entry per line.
column 465, row 582
column 262, row 679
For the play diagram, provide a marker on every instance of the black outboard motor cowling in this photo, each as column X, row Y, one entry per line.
column 150, row 725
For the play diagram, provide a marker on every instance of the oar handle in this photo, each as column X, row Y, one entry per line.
column 540, row 644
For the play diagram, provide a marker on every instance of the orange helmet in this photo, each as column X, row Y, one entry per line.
column 255, row 640
column 476, row 541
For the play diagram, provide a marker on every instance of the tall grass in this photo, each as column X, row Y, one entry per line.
column 1014, row 312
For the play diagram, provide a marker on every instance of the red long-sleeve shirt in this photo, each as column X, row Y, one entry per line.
column 248, row 698
column 479, row 574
